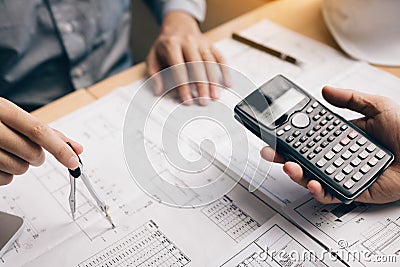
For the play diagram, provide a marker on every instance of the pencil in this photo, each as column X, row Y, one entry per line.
column 266, row 49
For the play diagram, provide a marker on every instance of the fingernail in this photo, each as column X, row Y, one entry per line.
column 73, row 162
column 203, row 101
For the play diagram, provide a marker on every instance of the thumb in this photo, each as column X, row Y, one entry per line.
column 366, row 104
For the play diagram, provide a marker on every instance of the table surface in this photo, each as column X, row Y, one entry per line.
column 304, row 17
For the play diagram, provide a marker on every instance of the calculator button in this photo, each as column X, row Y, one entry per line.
column 348, row 169
column 280, row 132
column 355, row 162
column 331, row 138
column 362, row 141
column 329, row 155
column 323, row 122
column 303, row 139
column 311, row 144
column 309, row 110
column 315, row 105
column 296, row 133
column 357, row 176
column 353, row 134
column 324, row 144
column 349, row 184
column 289, row 139
column 337, row 148
column 346, row 155
column 317, row 150
column 322, row 112
column 316, row 117
column 337, row 132
column 320, row 163
column 339, row 177
column 311, row 155
column 330, row 127
column 324, row 132
column 287, row 128
column 329, row 117
column 345, row 141
column 316, row 127
column 364, row 169
column 336, row 122
column 338, row 162
column 363, row 155
column 344, row 127
column 303, row 150
column 331, row 169
column 300, row 120
column 380, row 154
column 297, row 144
column 371, row 148
column 310, row 133
column 372, row 162
column 317, row 138
column 354, row 148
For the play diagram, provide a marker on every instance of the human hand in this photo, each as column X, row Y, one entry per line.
column 22, row 137
column 181, row 41
column 382, row 122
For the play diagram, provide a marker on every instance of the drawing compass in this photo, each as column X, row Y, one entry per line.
column 79, row 173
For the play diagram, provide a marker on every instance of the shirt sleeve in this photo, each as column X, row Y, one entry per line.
column 196, row 8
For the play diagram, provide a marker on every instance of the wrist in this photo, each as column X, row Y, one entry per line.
column 176, row 19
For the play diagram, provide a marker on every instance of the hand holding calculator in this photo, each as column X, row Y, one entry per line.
column 330, row 149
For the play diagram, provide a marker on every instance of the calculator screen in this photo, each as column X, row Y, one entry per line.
column 281, row 105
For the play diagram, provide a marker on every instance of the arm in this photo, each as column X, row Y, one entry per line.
column 180, row 40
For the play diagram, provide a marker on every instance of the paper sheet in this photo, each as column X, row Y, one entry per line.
column 195, row 237
column 279, row 243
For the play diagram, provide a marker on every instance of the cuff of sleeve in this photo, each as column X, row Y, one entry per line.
column 196, row 8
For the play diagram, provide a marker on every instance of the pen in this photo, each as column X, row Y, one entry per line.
column 266, row 49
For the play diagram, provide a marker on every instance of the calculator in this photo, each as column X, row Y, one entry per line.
column 328, row 147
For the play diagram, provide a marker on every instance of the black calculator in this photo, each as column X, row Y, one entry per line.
column 328, row 147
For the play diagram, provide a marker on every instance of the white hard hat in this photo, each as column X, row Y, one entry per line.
column 368, row 30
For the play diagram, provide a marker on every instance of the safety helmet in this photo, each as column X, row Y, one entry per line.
column 368, row 30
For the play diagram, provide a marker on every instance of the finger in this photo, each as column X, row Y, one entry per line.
column 212, row 72
column 223, row 67
column 180, row 76
column 12, row 164
column 295, row 172
column 270, row 154
column 20, row 146
column 319, row 194
column 5, row 178
column 360, row 123
column 152, row 68
column 38, row 132
column 366, row 104
column 78, row 148
column 197, row 71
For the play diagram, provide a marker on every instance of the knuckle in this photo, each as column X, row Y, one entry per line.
column 171, row 41
column 38, row 130
column 62, row 152
column 36, row 156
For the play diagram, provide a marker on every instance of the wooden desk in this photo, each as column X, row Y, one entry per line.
column 304, row 17
column 64, row 105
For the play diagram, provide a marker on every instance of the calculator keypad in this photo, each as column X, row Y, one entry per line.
column 340, row 152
